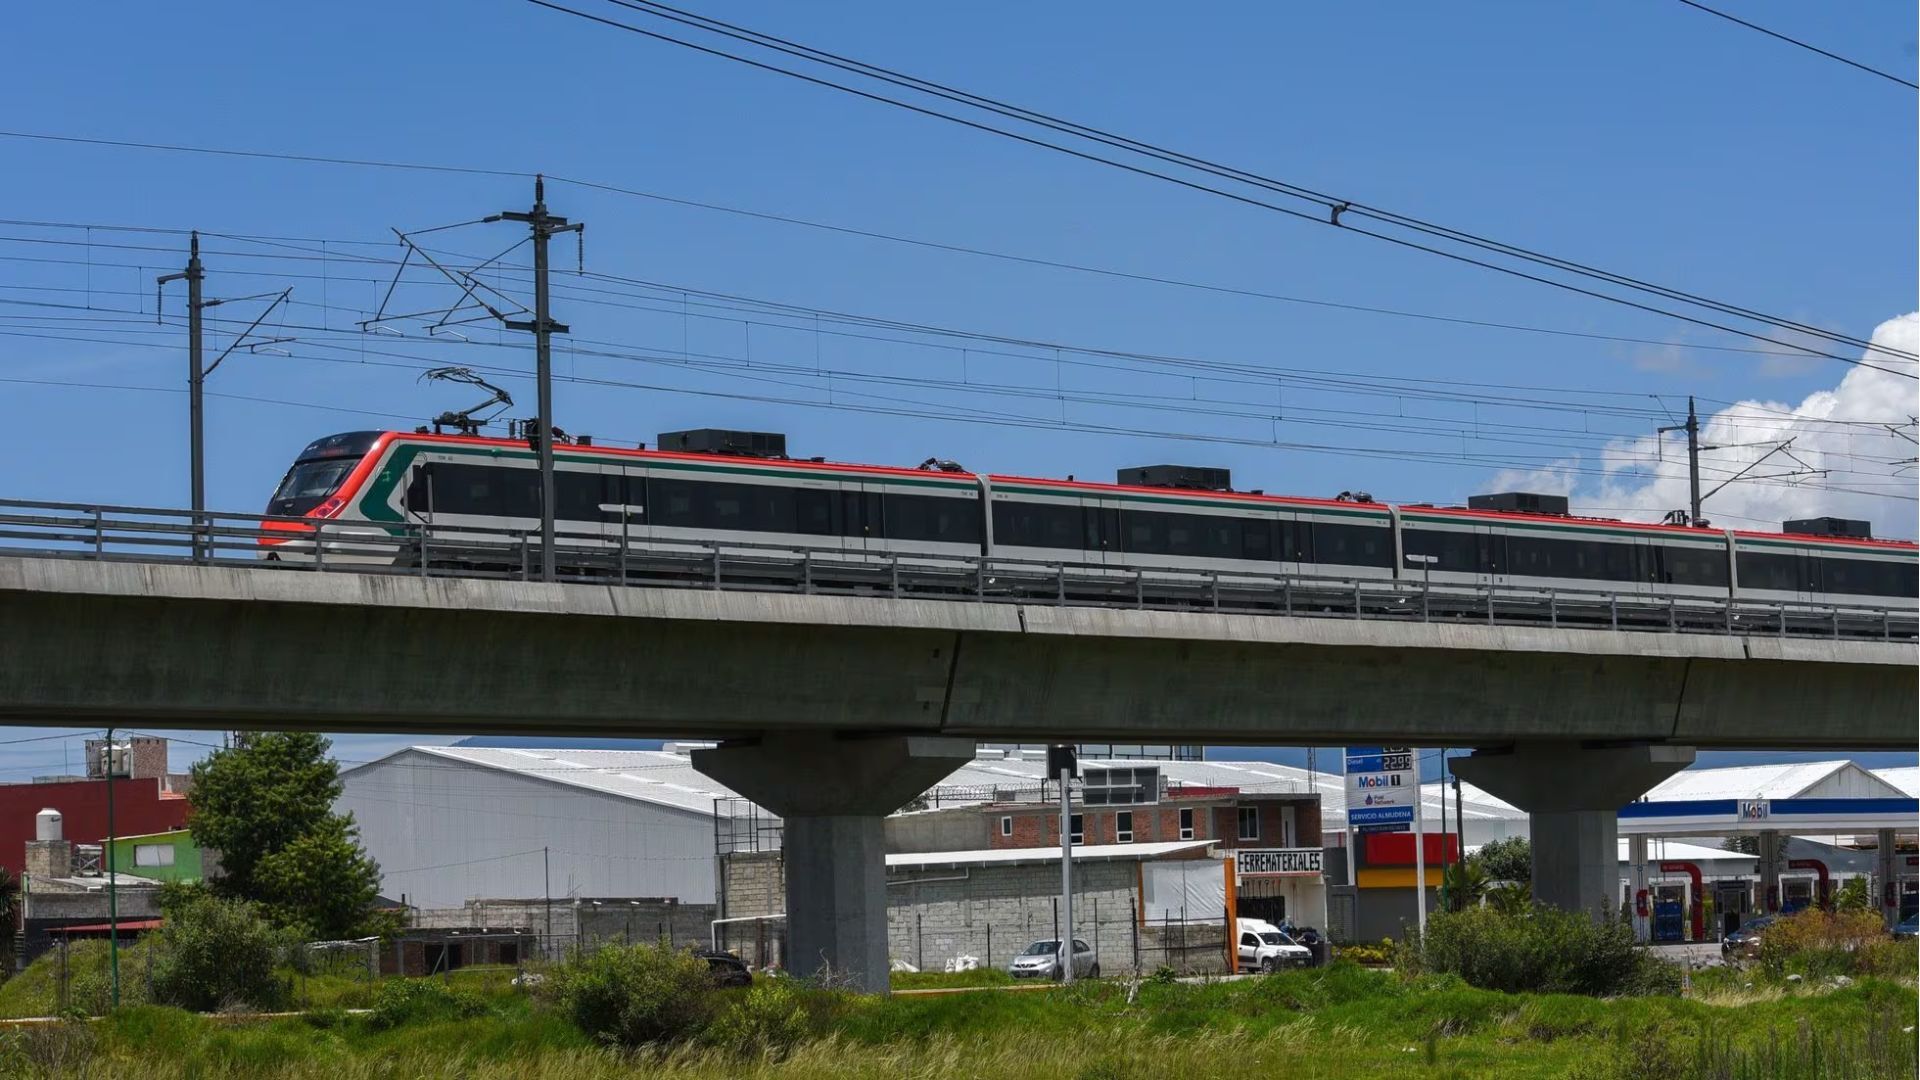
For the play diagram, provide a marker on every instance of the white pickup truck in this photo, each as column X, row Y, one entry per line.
column 1264, row 947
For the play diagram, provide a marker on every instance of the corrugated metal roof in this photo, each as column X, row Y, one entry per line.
column 653, row 776
column 1906, row 778
column 1014, row 856
column 1783, row 781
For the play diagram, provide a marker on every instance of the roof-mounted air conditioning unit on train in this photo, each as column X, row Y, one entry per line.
column 760, row 444
column 1178, row 476
column 1829, row 526
column 1519, row 502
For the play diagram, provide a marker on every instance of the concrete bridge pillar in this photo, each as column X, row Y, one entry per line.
column 1572, row 794
column 1769, row 866
column 832, row 794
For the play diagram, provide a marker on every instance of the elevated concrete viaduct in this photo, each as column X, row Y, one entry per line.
column 811, row 690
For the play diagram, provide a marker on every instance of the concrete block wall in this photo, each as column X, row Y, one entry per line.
column 993, row 912
column 581, row 920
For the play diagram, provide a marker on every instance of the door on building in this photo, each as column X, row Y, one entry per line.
column 1340, row 921
column 1271, row 909
column 1732, row 900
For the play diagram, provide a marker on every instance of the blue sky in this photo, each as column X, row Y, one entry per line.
column 1644, row 137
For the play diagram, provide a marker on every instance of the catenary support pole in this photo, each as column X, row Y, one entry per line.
column 544, row 226
column 193, row 275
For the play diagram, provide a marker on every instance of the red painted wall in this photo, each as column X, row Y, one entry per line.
column 138, row 807
column 1396, row 849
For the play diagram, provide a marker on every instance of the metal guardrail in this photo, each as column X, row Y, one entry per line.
column 254, row 541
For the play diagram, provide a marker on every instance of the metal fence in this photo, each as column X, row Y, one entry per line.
column 153, row 535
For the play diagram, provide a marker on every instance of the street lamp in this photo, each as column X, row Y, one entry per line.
column 1425, row 562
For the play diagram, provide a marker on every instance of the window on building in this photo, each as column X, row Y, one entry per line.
column 1006, row 826
column 1249, row 823
column 1123, row 827
column 1186, row 823
column 1076, row 833
column 153, row 854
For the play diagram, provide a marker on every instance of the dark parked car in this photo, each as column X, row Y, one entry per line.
column 726, row 968
column 1745, row 942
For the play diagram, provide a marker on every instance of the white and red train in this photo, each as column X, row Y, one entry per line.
column 392, row 480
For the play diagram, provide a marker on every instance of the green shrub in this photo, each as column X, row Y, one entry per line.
column 1378, row 955
column 217, row 954
column 634, row 995
column 409, row 1001
column 1816, row 944
column 1543, row 950
column 768, row 1020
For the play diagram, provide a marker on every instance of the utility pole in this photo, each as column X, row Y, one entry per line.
column 194, row 274
column 1062, row 760
column 113, row 880
column 1419, row 848
column 544, row 227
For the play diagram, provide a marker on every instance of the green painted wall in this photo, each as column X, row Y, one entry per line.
column 186, row 863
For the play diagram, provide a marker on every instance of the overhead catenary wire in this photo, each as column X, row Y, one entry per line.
column 1337, row 206
column 1810, row 47
column 895, row 405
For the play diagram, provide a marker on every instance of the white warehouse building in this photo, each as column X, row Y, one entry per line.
column 452, row 823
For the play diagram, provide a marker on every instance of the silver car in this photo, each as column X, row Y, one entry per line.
column 1041, row 960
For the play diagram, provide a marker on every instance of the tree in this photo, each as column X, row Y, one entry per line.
column 266, row 806
column 1508, row 859
column 9, row 915
column 1465, row 883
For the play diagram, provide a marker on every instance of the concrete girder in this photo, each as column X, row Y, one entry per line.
column 181, row 646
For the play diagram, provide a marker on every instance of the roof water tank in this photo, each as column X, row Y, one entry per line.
column 46, row 825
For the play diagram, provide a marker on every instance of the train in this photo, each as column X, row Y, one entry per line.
column 708, row 484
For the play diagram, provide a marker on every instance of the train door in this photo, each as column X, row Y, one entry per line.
column 1105, row 543
column 862, row 521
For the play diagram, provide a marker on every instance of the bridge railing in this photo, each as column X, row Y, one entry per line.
column 613, row 556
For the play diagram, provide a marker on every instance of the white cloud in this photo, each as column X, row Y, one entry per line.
column 1643, row 479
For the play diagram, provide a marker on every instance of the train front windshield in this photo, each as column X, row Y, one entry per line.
column 319, row 471
column 307, row 485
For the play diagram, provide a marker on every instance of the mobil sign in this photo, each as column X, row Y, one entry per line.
column 1382, row 785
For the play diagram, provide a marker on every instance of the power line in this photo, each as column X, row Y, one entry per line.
column 761, row 375
column 1335, row 206
column 1776, row 35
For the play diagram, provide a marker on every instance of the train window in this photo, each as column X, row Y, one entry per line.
column 936, row 518
column 1032, row 524
column 1352, row 545
column 1257, row 534
column 1781, row 572
column 1459, row 552
column 675, row 503
column 1866, row 577
column 1585, row 560
column 578, row 496
column 814, row 512
column 1690, row 564
column 1201, row 536
column 484, row 490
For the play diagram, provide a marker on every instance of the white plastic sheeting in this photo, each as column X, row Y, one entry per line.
column 1184, row 890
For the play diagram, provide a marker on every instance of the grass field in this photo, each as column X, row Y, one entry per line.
column 1337, row 1022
